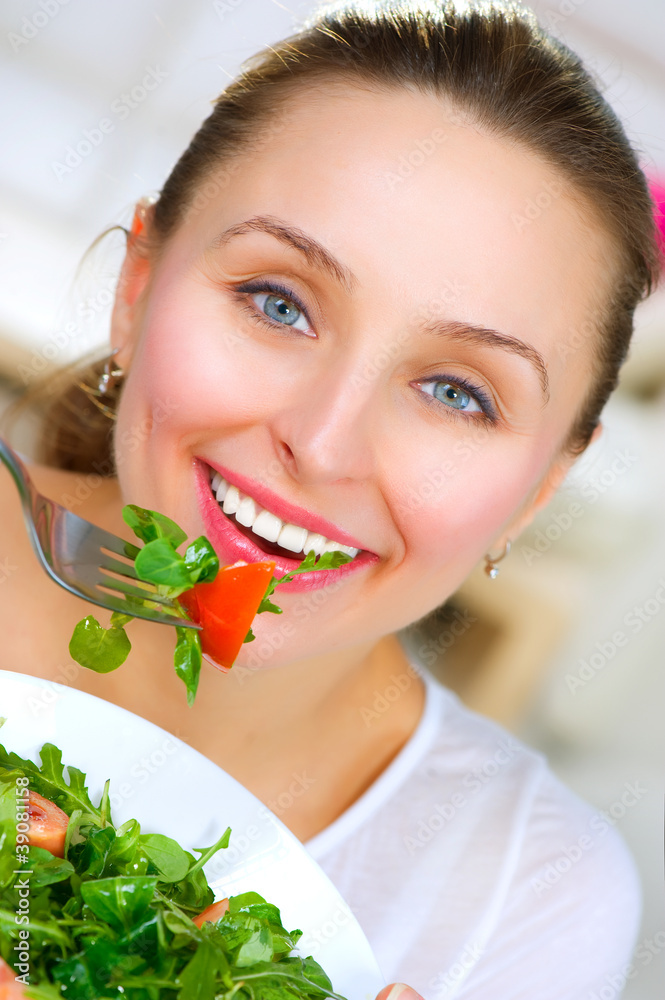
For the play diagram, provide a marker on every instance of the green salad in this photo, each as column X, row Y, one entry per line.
column 110, row 911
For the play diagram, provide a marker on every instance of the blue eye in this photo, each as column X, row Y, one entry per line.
column 277, row 304
column 455, row 396
column 279, row 308
column 458, row 395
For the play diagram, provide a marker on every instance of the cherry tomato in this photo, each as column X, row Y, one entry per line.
column 48, row 824
column 226, row 608
column 212, row 913
column 9, row 988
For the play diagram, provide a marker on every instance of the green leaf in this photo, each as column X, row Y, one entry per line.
column 311, row 563
column 121, row 901
column 159, row 563
column 244, row 900
column 209, row 852
column 250, row 637
column 149, row 525
column 187, row 659
column 257, row 949
column 46, row 868
column 197, row 980
column 167, row 856
column 202, row 561
column 98, row 648
column 49, row 779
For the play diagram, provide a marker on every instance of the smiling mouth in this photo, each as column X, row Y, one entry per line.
column 268, row 532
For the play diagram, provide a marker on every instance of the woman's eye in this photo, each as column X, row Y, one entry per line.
column 453, row 395
column 281, row 309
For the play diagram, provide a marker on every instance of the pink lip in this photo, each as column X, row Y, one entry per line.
column 231, row 545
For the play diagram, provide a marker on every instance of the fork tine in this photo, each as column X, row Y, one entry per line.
column 143, row 594
column 115, row 566
column 142, row 610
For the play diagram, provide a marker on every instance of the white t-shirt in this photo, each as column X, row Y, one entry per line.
column 476, row 874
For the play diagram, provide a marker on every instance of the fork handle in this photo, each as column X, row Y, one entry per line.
column 18, row 470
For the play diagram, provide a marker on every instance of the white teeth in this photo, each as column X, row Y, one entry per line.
column 292, row 537
column 246, row 512
column 314, row 542
column 231, row 500
column 269, row 526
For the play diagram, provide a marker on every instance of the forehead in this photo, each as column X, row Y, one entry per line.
column 418, row 200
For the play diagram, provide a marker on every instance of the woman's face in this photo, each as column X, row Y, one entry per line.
column 407, row 398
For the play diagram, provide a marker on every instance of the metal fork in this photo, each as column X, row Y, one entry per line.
column 85, row 559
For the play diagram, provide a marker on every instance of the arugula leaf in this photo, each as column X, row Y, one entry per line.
column 159, row 563
column 201, row 560
column 98, row 648
column 107, row 920
column 148, row 525
column 167, row 856
column 120, row 901
column 49, row 779
column 311, row 562
column 187, row 660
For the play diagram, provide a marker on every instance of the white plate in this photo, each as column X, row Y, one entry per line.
column 175, row 790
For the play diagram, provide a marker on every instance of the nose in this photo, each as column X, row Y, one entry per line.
column 326, row 431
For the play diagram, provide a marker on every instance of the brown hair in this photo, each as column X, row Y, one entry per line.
column 497, row 66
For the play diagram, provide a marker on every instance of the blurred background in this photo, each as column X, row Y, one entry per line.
column 567, row 647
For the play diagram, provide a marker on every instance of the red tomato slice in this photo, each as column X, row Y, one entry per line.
column 226, row 608
column 212, row 913
column 9, row 988
column 48, row 824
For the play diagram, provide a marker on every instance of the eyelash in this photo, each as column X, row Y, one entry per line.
column 275, row 289
column 488, row 414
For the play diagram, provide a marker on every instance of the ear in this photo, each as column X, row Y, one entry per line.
column 133, row 280
column 541, row 495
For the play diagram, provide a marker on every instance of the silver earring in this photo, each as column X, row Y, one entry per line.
column 111, row 375
column 491, row 567
column 104, row 394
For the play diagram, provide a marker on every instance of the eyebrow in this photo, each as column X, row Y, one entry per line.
column 468, row 333
column 318, row 257
column 314, row 252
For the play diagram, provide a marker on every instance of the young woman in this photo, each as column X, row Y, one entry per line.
column 338, row 321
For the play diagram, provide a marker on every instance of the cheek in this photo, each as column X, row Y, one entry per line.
column 449, row 509
column 195, row 369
